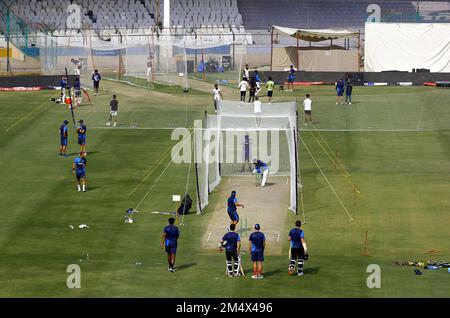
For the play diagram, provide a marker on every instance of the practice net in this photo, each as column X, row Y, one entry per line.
column 226, row 144
column 168, row 56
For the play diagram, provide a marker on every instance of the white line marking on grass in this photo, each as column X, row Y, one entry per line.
column 209, row 236
column 137, row 128
column 156, row 181
column 373, row 130
column 278, row 237
column 229, row 180
column 26, row 116
column 326, row 179
column 153, row 185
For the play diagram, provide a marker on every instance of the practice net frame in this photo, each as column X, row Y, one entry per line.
column 215, row 143
column 166, row 56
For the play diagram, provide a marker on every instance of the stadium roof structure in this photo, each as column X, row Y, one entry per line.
column 316, row 35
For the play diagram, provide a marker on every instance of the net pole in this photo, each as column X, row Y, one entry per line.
column 70, row 98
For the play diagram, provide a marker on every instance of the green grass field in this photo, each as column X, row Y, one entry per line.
column 393, row 143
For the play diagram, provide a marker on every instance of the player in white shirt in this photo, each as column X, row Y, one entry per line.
column 307, row 107
column 243, row 88
column 257, row 110
column 217, row 96
column 246, row 72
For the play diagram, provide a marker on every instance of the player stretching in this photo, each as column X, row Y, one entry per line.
column 169, row 241
column 307, row 109
column 261, row 168
column 79, row 167
column 232, row 208
column 232, row 243
column 81, row 131
column 114, row 106
column 257, row 243
column 63, row 132
column 96, row 78
column 298, row 252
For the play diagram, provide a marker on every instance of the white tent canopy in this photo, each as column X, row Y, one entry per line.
column 316, row 35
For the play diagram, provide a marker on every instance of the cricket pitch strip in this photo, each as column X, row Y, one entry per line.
column 267, row 206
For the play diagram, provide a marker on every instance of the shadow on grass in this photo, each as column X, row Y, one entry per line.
column 267, row 274
column 185, row 266
column 311, row 270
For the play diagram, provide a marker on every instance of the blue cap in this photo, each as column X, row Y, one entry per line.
column 65, row 122
column 257, row 226
column 233, row 192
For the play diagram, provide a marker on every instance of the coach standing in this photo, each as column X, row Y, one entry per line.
column 113, row 108
column 96, row 78
column 257, row 242
column 170, row 241
column 298, row 249
column 348, row 91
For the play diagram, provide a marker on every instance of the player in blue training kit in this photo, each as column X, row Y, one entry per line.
column 261, row 168
column 79, row 167
column 63, row 133
column 232, row 244
column 257, row 242
column 169, row 242
column 232, row 208
column 340, row 86
column 291, row 78
column 96, row 78
column 81, row 131
column 298, row 249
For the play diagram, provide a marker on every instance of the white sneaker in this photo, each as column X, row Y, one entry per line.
column 337, row 103
column 115, row 125
column 300, row 274
column 260, row 276
column 350, row 103
column 255, row 276
column 108, row 124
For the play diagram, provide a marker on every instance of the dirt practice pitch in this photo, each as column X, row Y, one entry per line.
column 267, row 206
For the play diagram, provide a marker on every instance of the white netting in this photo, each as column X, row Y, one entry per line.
column 271, row 135
column 167, row 56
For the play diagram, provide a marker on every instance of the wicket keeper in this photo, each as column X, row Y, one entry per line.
column 257, row 244
column 232, row 208
column 169, row 241
column 299, row 251
column 232, row 244
column 79, row 168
